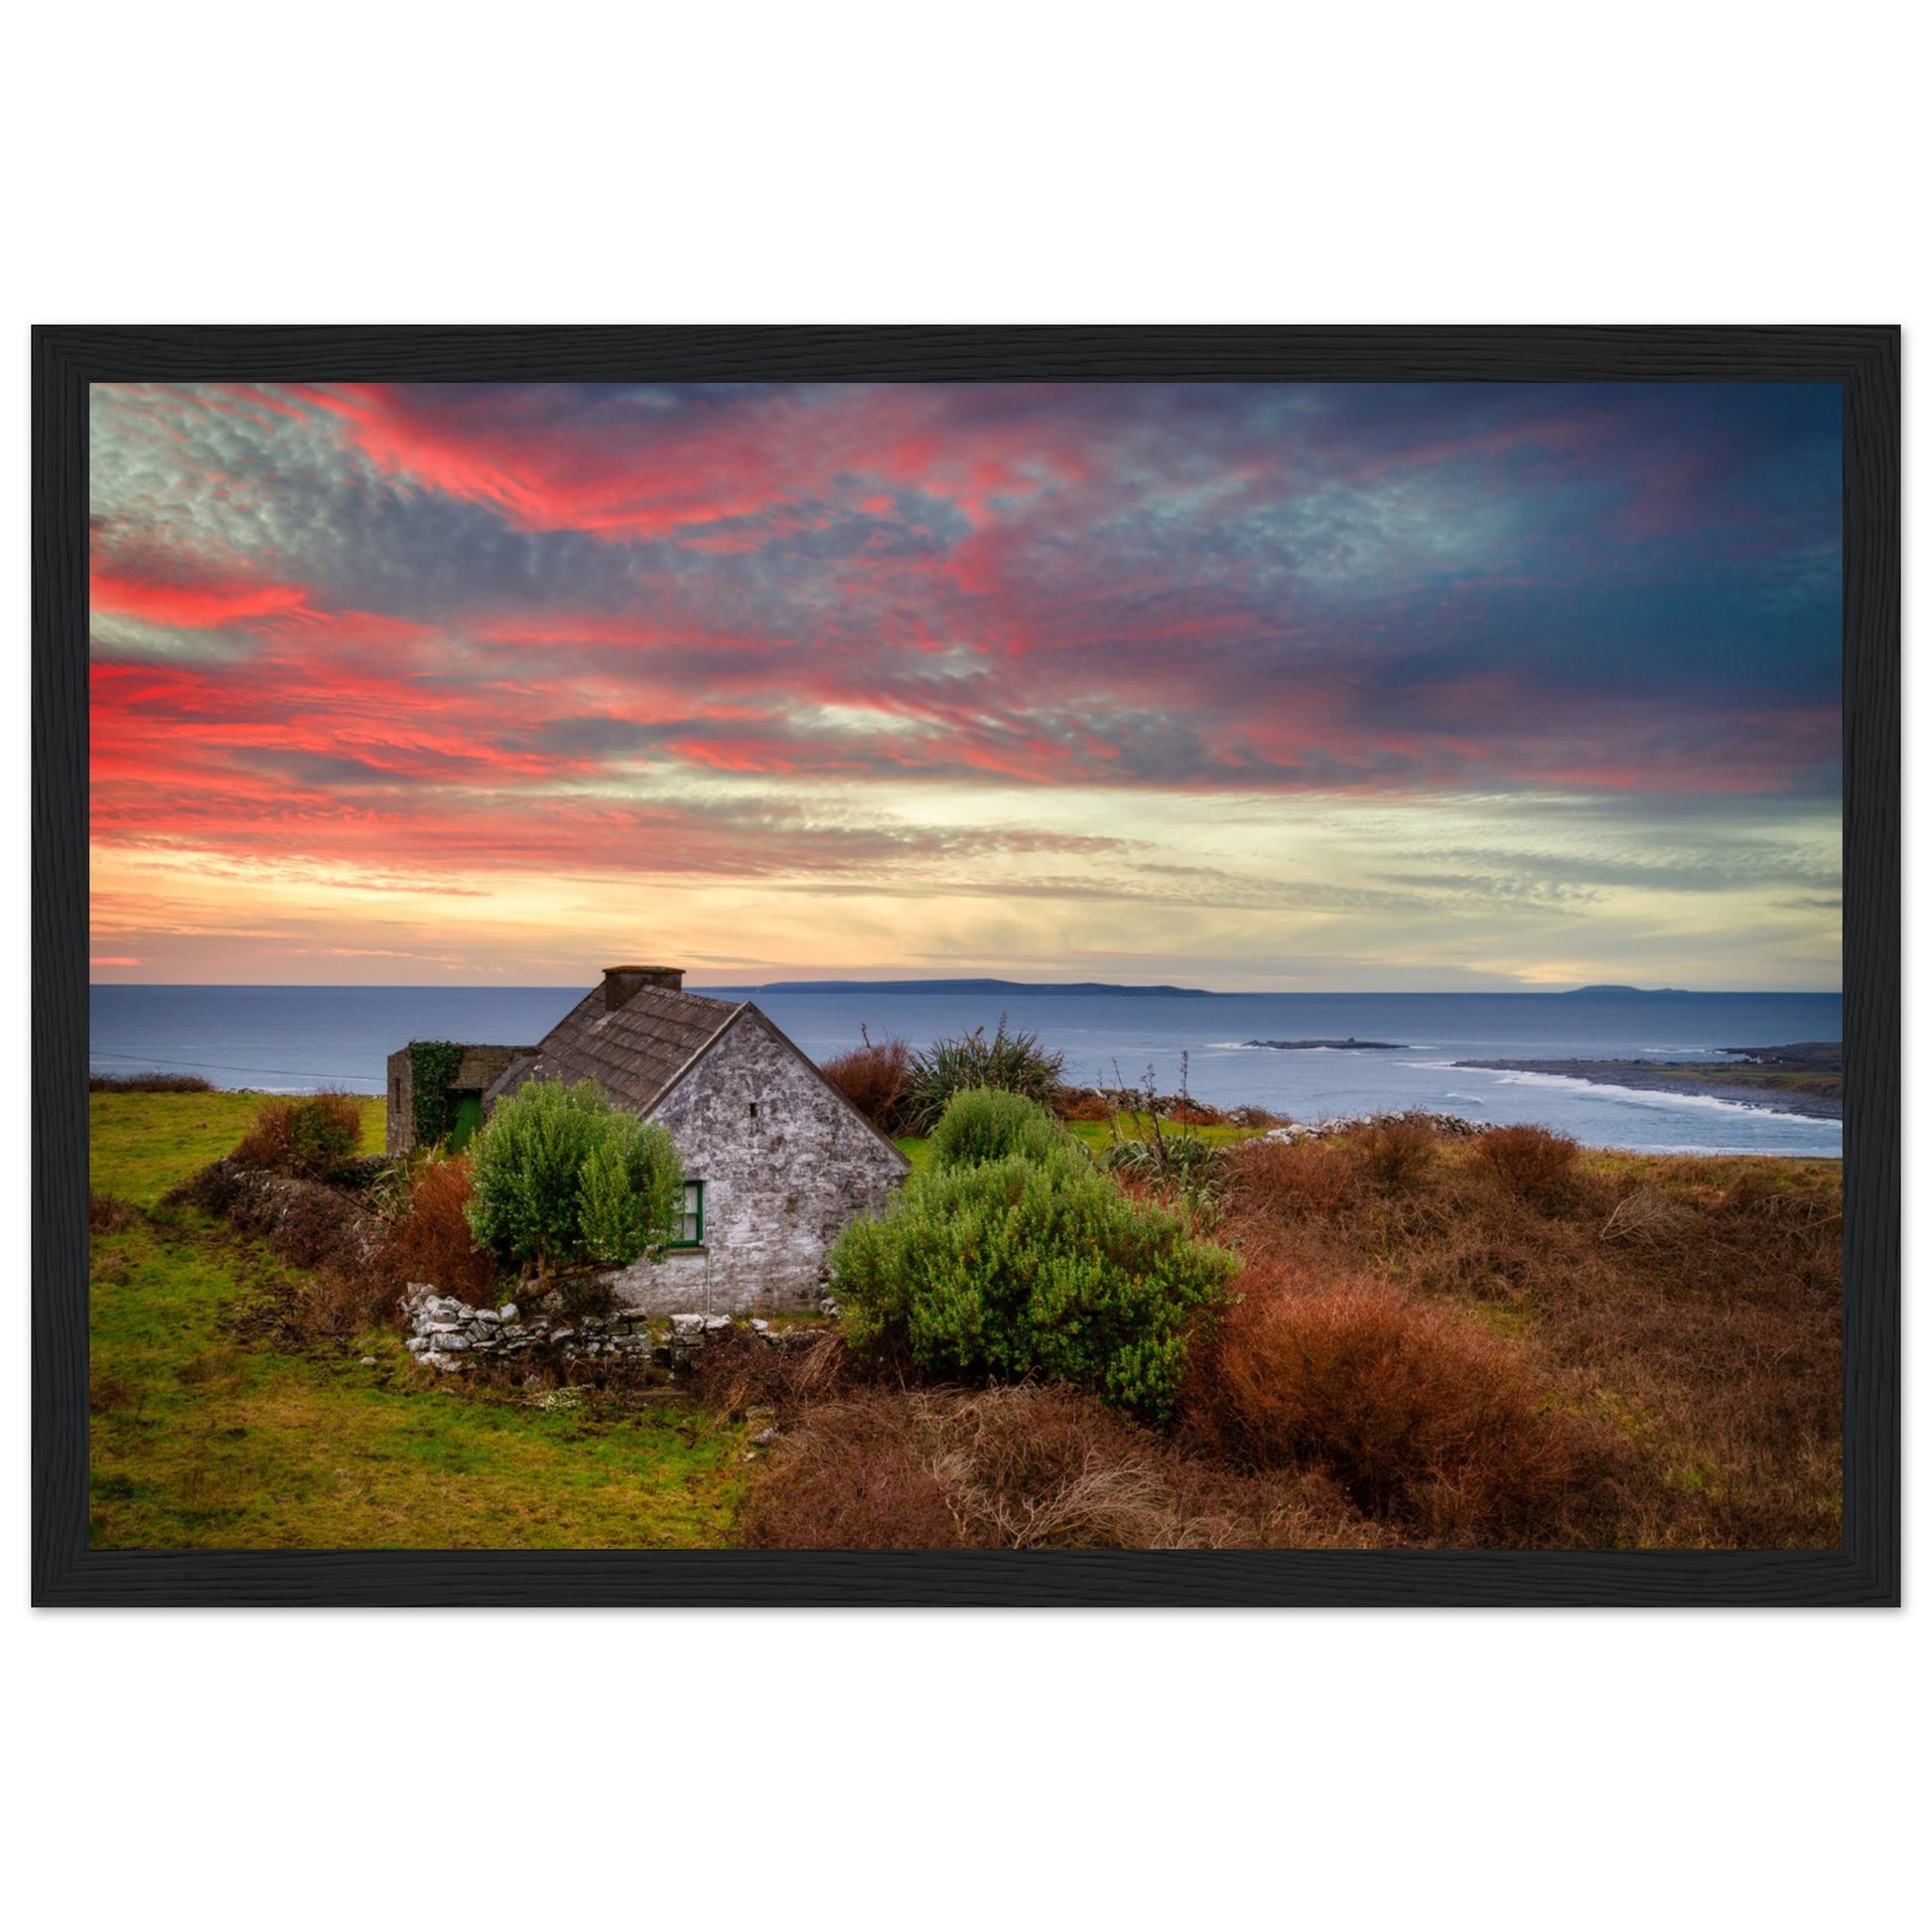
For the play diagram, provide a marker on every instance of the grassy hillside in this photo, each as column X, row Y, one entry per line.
column 139, row 1145
column 1677, row 1317
column 200, row 1437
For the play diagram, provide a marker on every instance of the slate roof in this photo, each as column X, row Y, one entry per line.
column 481, row 1064
column 634, row 1053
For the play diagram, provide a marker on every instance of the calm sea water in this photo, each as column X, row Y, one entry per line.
column 291, row 1038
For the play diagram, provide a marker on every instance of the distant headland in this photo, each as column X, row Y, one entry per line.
column 1072, row 987
column 1625, row 993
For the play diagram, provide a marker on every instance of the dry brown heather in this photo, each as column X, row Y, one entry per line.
column 873, row 1078
column 1021, row 1468
column 1488, row 1341
column 430, row 1239
column 1682, row 1314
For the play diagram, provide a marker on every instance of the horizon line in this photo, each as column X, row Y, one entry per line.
column 1102, row 987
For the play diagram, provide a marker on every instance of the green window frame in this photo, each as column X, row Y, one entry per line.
column 690, row 1229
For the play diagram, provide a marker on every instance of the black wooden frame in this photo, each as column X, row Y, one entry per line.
column 1865, row 1569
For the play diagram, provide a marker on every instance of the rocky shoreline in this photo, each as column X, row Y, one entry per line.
column 1761, row 1082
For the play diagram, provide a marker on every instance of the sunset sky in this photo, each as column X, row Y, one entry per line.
column 1240, row 687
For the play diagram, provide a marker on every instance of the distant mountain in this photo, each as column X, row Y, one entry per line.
column 1624, row 993
column 970, row 985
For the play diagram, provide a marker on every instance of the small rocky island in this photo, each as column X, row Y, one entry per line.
column 1351, row 1045
column 1806, row 1078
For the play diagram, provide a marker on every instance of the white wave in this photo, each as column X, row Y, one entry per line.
column 1720, row 1147
column 1603, row 1090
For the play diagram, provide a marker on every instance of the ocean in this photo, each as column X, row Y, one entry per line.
column 294, row 1038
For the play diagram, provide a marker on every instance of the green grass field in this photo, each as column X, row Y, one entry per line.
column 1095, row 1136
column 139, row 1145
column 1768, row 1079
column 200, row 1440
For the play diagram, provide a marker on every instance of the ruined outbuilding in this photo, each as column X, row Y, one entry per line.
column 479, row 1068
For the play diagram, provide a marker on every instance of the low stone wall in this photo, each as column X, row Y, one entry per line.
column 307, row 1222
column 1452, row 1125
column 446, row 1333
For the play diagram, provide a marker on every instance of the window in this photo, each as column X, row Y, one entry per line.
column 690, row 1231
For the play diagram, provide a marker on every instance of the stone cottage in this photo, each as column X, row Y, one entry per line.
column 776, row 1159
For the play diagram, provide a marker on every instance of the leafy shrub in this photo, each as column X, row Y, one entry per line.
column 873, row 1078
column 1179, row 1160
column 1013, row 1061
column 1017, row 1267
column 984, row 1124
column 563, row 1177
column 313, row 1137
column 431, row 1239
column 1532, row 1160
column 1418, row 1415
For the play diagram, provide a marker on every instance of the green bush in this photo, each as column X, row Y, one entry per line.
column 1025, row 1265
column 563, row 1177
column 1013, row 1063
column 984, row 1124
column 314, row 1137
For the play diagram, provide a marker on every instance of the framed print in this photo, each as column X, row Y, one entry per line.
column 966, row 966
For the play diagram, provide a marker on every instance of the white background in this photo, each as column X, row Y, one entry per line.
column 991, row 162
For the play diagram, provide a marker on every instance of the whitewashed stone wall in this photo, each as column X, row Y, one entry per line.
column 786, row 1164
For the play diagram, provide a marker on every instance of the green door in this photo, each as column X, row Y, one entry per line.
column 468, row 1119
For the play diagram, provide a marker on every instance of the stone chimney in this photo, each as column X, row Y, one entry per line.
column 621, row 982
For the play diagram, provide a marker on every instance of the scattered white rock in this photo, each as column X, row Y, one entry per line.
column 1323, row 1130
